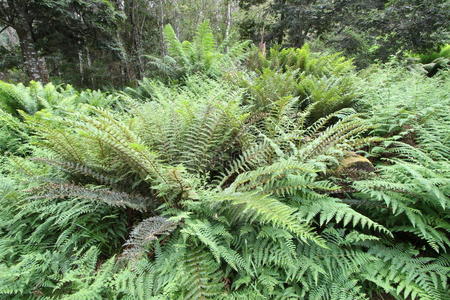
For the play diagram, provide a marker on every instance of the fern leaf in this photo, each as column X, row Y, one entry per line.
column 146, row 231
column 269, row 210
column 114, row 198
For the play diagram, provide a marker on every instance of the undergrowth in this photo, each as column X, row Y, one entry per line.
column 292, row 177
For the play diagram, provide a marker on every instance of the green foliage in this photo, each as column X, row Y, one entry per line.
column 12, row 134
column 14, row 98
column 210, row 190
column 304, row 60
column 196, row 133
column 365, row 30
column 324, row 83
column 414, row 182
column 18, row 101
column 202, row 55
column 429, row 57
column 37, row 97
column 432, row 61
column 40, row 237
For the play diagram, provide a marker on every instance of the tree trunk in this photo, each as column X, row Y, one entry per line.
column 280, row 33
column 35, row 65
column 228, row 20
column 161, row 26
column 81, row 62
column 136, row 44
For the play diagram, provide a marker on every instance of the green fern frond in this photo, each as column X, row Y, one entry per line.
column 14, row 98
column 110, row 132
column 331, row 209
column 110, row 197
column 77, row 168
column 269, row 210
column 215, row 238
column 203, row 279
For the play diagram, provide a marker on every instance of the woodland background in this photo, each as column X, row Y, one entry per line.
column 106, row 43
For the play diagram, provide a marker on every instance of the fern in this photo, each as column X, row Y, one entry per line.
column 202, row 55
column 15, row 98
column 271, row 211
column 203, row 277
column 312, row 78
column 145, row 232
column 221, row 189
column 114, row 198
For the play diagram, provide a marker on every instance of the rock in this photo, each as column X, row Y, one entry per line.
column 355, row 166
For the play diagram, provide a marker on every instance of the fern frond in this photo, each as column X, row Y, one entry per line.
column 110, row 197
column 14, row 98
column 123, row 142
column 330, row 208
column 146, row 231
column 78, row 168
column 215, row 238
column 269, row 210
column 203, row 278
column 174, row 46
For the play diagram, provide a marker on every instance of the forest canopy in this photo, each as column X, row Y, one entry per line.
column 224, row 150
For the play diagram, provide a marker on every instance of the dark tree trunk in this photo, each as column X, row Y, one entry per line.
column 135, row 38
column 131, row 40
column 280, row 34
column 35, row 65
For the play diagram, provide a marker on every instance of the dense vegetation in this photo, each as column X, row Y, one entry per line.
column 236, row 173
column 110, row 43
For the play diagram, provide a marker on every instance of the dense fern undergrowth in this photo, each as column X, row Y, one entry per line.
column 237, row 175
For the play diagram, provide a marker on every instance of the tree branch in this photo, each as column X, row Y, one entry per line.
column 4, row 28
column 6, row 17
